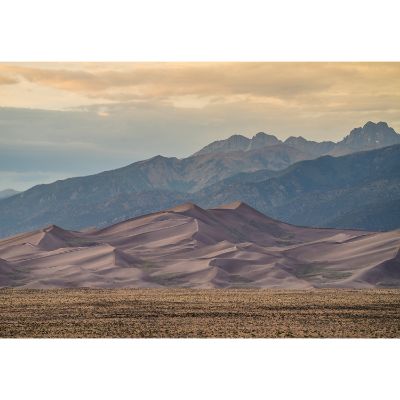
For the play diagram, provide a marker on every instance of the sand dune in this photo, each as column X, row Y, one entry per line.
column 186, row 246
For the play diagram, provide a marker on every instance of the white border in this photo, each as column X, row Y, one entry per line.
column 199, row 369
column 192, row 30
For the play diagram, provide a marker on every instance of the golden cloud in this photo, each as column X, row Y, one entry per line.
column 6, row 80
column 171, row 79
column 308, row 86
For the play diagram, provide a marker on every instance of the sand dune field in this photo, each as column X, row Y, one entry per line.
column 233, row 246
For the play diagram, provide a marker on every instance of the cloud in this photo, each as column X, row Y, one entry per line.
column 161, row 81
column 64, row 79
column 6, row 80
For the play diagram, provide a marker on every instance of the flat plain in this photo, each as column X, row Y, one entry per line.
column 199, row 313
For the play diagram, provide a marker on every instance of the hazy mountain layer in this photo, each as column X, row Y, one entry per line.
column 229, row 170
column 7, row 193
column 144, row 186
column 329, row 191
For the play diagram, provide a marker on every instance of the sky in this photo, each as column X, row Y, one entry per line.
column 59, row 120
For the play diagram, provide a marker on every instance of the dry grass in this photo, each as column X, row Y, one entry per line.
column 199, row 313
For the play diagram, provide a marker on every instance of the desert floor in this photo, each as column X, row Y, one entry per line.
column 184, row 313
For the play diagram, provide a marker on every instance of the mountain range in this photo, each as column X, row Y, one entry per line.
column 350, row 184
column 370, row 136
column 360, row 190
column 186, row 246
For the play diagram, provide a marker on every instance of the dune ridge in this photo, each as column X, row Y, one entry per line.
column 232, row 245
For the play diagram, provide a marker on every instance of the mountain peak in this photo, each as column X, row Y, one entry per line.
column 236, row 136
column 371, row 124
column 262, row 135
column 159, row 157
column 239, row 142
column 233, row 143
column 262, row 139
column 294, row 139
column 371, row 136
